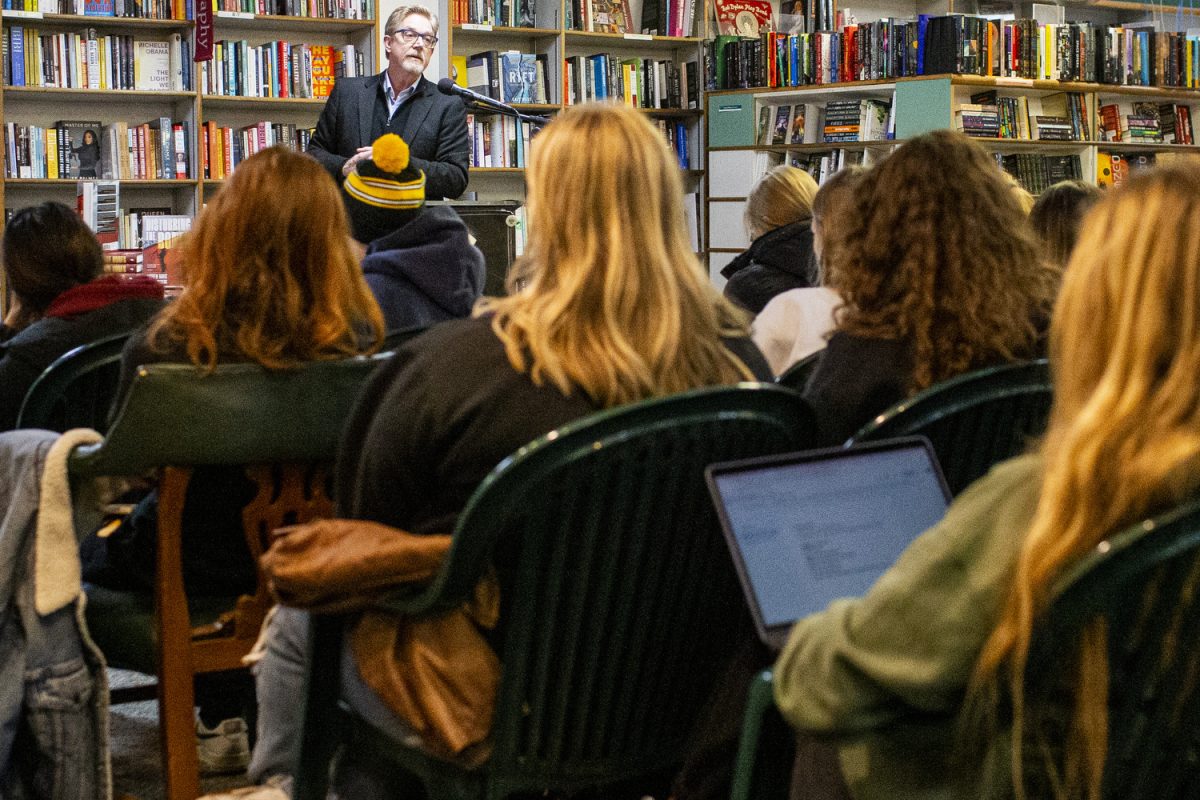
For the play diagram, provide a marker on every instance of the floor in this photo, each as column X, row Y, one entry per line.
column 136, row 759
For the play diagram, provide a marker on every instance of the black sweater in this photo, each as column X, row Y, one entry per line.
column 439, row 416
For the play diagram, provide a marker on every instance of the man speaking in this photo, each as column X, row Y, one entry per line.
column 398, row 100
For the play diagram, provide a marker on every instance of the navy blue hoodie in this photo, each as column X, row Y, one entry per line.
column 426, row 271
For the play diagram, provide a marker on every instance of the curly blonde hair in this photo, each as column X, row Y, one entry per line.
column 938, row 253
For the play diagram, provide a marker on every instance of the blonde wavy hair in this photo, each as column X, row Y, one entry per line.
column 937, row 252
column 269, row 274
column 613, row 300
column 782, row 196
column 1123, row 441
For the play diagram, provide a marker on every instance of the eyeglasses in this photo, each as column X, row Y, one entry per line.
column 409, row 36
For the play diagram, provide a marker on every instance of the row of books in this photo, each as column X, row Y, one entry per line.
column 669, row 17
column 504, row 13
column 639, row 82
column 277, row 69
column 510, row 76
column 821, row 165
column 222, row 148
column 1059, row 116
column 862, row 120
column 142, row 9
column 679, row 138
column 90, row 61
column 138, row 229
column 158, row 149
column 498, row 141
column 1037, row 172
column 599, row 16
column 323, row 9
column 1169, row 123
column 956, row 44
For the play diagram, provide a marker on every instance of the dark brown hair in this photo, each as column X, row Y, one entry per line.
column 48, row 249
column 1057, row 215
column 269, row 273
column 938, row 253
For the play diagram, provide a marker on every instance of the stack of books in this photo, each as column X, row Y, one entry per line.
column 978, row 120
column 1057, row 129
column 855, row 121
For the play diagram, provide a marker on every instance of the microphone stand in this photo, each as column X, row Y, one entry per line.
column 488, row 105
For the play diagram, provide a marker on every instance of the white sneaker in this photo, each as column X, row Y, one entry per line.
column 223, row 749
column 274, row 789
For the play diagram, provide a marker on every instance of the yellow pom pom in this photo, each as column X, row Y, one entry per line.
column 390, row 153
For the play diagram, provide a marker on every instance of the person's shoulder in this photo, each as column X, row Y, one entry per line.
column 357, row 84
column 439, row 343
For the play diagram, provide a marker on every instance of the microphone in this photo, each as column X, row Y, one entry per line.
column 448, row 86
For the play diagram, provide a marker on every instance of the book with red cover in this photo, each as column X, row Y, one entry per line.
column 743, row 17
column 322, row 70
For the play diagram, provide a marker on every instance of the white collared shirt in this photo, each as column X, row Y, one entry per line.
column 393, row 99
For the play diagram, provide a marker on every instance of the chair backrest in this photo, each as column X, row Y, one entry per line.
column 796, row 376
column 1145, row 584
column 619, row 597
column 77, row 390
column 175, row 414
column 975, row 420
column 767, row 747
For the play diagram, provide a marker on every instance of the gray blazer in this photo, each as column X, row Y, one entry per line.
column 436, row 132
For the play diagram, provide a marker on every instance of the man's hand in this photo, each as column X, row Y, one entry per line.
column 362, row 154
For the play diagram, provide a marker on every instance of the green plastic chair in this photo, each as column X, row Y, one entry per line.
column 766, row 749
column 284, row 428
column 77, row 390
column 973, row 421
column 619, row 598
column 796, row 376
column 1145, row 584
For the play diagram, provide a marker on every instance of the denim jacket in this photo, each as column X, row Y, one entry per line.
column 53, row 695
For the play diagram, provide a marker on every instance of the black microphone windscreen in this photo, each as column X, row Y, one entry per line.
column 446, row 86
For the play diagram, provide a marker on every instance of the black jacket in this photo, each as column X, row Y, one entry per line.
column 436, row 133
column 779, row 260
column 426, row 271
column 25, row 355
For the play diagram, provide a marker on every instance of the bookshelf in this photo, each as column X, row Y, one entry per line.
column 191, row 103
column 572, row 61
column 741, row 147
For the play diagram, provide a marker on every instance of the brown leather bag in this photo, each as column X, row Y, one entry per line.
column 437, row 673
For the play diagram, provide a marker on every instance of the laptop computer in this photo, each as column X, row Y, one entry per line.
column 807, row 528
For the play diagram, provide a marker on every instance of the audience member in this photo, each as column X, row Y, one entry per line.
column 1024, row 197
column 613, row 309
column 1057, row 215
column 420, row 262
column 59, row 299
column 939, row 275
column 875, row 683
column 797, row 322
column 780, row 256
column 270, row 279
